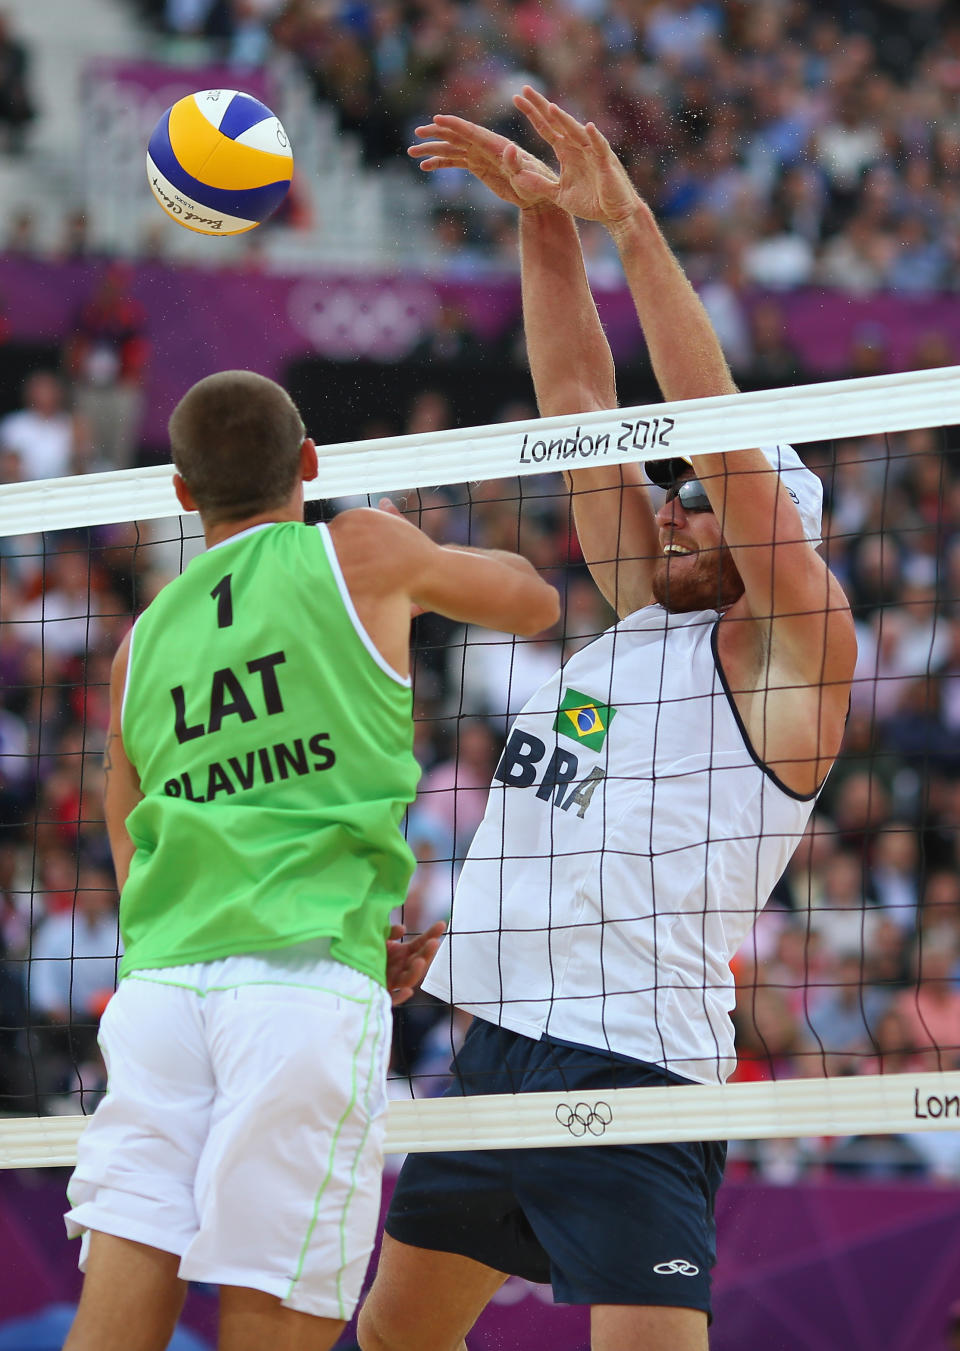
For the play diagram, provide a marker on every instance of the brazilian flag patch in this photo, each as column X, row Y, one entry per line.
column 584, row 719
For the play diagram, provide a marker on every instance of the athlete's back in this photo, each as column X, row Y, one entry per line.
column 273, row 745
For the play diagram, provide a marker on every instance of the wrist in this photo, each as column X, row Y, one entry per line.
column 634, row 225
column 543, row 211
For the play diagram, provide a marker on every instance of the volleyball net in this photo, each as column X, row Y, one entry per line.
column 847, row 1008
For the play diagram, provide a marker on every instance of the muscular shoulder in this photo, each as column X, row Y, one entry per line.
column 362, row 528
column 375, row 546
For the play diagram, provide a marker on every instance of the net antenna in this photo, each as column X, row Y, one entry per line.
column 863, row 1104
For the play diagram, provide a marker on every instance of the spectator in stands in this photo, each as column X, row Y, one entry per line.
column 47, row 439
column 952, row 1327
column 775, row 361
column 21, row 233
column 894, row 874
column 107, row 356
column 63, row 619
column 840, row 913
column 16, row 103
column 841, row 1024
column 930, row 1008
column 74, row 958
column 17, row 767
column 449, row 340
column 453, row 794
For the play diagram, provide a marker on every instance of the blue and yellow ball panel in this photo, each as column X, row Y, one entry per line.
column 219, row 162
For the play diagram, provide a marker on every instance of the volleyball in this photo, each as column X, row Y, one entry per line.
column 219, row 162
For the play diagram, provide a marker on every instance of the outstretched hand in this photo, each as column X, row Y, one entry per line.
column 407, row 963
column 591, row 184
column 513, row 174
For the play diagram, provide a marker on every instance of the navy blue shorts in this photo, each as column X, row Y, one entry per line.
column 602, row 1224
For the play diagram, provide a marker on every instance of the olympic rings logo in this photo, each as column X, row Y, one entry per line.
column 678, row 1267
column 582, row 1118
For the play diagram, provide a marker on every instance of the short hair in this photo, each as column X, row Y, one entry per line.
column 235, row 438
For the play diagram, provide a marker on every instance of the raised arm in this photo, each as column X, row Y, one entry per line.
column 787, row 645
column 570, row 360
column 572, row 370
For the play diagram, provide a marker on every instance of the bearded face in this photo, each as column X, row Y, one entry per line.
column 704, row 579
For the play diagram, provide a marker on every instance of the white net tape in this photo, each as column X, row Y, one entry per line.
column 824, row 412
column 872, row 1104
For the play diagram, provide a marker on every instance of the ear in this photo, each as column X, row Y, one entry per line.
column 309, row 465
column 184, row 495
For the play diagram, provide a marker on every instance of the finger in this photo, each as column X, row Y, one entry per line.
column 391, row 508
column 433, row 148
column 597, row 139
column 512, row 157
column 461, row 126
column 443, row 162
column 566, row 123
column 535, row 187
column 400, row 995
column 534, row 96
column 429, row 936
column 423, row 956
column 519, row 161
column 535, row 117
column 396, row 930
column 468, row 134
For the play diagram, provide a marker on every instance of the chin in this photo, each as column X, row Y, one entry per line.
column 685, row 589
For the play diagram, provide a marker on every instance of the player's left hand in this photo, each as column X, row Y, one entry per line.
column 514, row 174
column 592, row 184
column 407, row 963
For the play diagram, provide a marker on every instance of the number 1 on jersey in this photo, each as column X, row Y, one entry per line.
column 221, row 594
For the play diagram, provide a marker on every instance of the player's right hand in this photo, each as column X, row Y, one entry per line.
column 514, row 174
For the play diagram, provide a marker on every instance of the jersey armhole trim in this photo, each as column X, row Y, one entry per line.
column 351, row 609
column 765, row 769
column 126, row 676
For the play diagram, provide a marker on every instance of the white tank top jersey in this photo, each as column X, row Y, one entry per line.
column 629, row 841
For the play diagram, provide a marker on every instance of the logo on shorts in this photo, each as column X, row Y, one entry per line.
column 678, row 1267
column 582, row 1118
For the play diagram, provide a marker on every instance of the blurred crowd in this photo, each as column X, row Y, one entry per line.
column 83, row 414
column 783, row 142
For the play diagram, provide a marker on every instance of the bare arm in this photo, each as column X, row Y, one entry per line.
column 389, row 565
column 570, row 359
column 791, row 588
column 803, row 617
column 121, row 783
column 572, row 370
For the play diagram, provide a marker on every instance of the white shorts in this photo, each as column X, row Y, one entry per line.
column 242, row 1128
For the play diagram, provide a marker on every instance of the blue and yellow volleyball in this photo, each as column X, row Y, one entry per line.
column 219, row 162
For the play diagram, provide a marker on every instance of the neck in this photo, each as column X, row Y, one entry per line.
column 215, row 532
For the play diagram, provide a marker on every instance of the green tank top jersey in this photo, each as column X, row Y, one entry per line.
column 274, row 747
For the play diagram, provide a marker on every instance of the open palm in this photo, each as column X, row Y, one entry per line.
column 591, row 183
column 513, row 174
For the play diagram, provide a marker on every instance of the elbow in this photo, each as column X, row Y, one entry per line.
column 540, row 612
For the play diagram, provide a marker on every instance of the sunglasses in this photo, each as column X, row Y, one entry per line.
column 692, row 495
